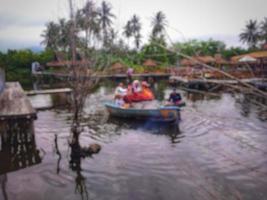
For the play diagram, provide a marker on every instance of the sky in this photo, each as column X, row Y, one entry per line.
column 22, row 21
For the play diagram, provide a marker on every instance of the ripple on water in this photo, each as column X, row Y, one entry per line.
column 220, row 154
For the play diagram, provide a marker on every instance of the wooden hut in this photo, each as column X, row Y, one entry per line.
column 195, row 59
column 118, row 68
column 60, row 62
column 150, row 63
column 257, row 61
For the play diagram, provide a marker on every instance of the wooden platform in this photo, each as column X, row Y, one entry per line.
column 216, row 81
column 49, row 91
column 64, row 75
column 14, row 103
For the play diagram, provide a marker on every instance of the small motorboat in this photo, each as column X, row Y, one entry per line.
column 162, row 113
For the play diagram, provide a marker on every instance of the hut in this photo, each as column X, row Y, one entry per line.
column 118, row 68
column 150, row 63
column 195, row 59
column 60, row 62
column 256, row 61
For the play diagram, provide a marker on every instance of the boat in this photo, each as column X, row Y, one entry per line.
column 161, row 114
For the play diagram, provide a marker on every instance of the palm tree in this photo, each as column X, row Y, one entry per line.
column 105, row 20
column 128, row 32
column 51, row 36
column 263, row 30
column 64, row 36
column 250, row 34
column 136, row 28
column 159, row 23
column 88, row 21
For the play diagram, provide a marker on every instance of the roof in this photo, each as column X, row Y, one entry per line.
column 195, row 59
column 247, row 58
column 219, row 59
column 117, row 65
column 256, row 55
column 150, row 63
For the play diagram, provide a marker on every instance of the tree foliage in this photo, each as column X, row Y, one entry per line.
column 197, row 47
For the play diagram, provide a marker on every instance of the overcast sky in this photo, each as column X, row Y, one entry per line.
column 22, row 21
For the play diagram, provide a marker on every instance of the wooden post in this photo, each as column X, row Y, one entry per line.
column 2, row 80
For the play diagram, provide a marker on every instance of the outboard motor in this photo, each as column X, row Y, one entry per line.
column 2, row 80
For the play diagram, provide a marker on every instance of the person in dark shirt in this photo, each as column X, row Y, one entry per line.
column 175, row 98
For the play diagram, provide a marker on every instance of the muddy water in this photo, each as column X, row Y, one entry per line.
column 219, row 153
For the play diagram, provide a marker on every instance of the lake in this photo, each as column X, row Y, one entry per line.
column 220, row 152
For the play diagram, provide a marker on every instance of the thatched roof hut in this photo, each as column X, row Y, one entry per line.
column 150, row 63
column 220, row 60
column 118, row 67
column 256, row 55
column 61, row 61
column 195, row 59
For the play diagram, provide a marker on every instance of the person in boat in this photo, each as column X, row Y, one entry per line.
column 174, row 98
column 146, row 92
column 129, row 74
column 120, row 90
column 119, row 101
column 136, row 86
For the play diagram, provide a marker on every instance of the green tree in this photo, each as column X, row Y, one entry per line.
column 88, row 20
column 51, row 36
column 159, row 23
column 136, row 29
column 128, row 32
column 250, row 34
column 263, row 30
column 105, row 20
column 197, row 47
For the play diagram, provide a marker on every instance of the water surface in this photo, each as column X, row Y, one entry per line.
column 219, row 153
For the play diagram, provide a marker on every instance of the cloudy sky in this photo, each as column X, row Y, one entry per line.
column 22, row 21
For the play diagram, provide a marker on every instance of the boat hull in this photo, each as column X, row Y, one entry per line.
column 163, row 114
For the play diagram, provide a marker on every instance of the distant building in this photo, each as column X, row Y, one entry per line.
column 118, row 68
column 150, row 63
column 61, row 63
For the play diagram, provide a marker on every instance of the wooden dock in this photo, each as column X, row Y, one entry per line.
column 14, row 103
column 49, row 91
column 111, row 76
column 215, row 81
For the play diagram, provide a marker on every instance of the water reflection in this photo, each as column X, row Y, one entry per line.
column 217, row 154
column 171, row 130
column 18, row 148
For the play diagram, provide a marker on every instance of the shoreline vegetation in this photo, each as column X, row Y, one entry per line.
column 95, row 36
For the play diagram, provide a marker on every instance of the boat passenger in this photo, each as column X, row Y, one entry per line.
column 129, row 74
column 136, row 86
column 120, row 90
column 174, row 98
column 119, row 101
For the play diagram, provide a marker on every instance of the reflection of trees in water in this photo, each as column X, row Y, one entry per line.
column 58, row 153
column 3, row 181
column 169, row 129
column 18, row 148
column 249, row 103
column 75, row 164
